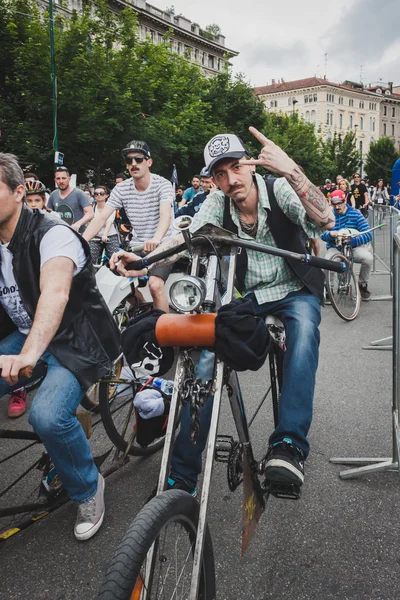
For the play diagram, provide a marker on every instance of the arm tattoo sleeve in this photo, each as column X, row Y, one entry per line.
column 171, row 242
column 313, row 200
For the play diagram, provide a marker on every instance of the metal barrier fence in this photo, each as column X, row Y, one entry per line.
column 375, row 465
column 382, row 247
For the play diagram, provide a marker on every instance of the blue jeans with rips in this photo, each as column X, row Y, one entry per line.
column 52, row 416
column 300, row 312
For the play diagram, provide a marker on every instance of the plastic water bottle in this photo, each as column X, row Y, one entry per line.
column 165, row 385
column 51, row 481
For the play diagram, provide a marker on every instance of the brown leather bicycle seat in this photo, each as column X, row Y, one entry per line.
column 186, row 330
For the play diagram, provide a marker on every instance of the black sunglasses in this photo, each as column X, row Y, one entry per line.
column 138, row 159
column 59, row 169
column 99, row 193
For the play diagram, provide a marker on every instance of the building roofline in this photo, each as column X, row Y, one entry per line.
column 169, row 25
column 313, row 82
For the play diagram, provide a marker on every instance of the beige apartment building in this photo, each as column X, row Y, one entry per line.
column 371, row 112
column 188, row 38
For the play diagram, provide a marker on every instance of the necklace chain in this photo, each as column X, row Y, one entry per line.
column 249, row 228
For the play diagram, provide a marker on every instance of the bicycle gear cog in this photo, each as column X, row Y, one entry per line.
column 235, row 466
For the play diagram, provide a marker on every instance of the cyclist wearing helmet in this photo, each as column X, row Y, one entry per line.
column 35, row 198
column 148, row 203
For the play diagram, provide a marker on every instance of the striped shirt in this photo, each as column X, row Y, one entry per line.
column 352, row 219
column 269, row 277
column 143, row 208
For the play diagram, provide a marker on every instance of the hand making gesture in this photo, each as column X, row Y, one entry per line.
column 271, row 157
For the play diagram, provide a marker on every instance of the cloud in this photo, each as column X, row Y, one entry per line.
column 261, row 53
column 365, row 31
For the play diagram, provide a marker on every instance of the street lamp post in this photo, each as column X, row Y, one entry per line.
column 53, row 77
column 294, row 102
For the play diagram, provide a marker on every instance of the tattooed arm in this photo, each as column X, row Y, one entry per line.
column 120, row 259
column 276, row 160
column 313, row 200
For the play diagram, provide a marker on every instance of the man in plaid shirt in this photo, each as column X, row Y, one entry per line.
column 272, row 284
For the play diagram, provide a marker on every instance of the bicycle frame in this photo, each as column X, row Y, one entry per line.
column 253, row 500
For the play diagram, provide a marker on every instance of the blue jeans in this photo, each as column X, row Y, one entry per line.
column 52, row 416
column 300, row 312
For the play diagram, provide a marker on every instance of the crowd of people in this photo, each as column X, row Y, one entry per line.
column 359, row 193
column 66, row 231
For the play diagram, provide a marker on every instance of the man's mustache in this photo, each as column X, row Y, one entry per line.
column 233, row 188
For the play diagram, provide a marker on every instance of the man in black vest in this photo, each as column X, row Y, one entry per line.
column 271, row 211
column 51, row 311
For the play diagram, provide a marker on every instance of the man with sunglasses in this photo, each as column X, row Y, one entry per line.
column 72, row 205
column 148, row 203
column 348, row 217
column 360, row 193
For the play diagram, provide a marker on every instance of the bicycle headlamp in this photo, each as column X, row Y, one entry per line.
column 188, row 293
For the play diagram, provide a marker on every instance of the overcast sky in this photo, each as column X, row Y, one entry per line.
column 289, row 38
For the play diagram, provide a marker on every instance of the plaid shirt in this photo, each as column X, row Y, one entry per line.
column 269, row 277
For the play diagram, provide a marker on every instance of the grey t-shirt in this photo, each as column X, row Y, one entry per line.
column 71, row 207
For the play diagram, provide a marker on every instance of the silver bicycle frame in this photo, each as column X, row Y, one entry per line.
column 253, row 501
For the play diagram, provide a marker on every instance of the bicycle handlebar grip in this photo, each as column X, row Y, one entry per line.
column 137, row 265
column 323, row 263
column 24, row 373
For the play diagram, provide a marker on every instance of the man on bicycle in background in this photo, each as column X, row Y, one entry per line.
column 51, row 311
column 348, row 217
column 148, row 203
column 253, row 209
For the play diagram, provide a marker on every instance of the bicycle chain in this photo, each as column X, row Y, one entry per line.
column 195, row 392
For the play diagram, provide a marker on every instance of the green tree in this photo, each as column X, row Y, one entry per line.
column 380, row 159
column 342, row 155
column 25, row 86
column 299, row 139
column 113, row 88
column 213, row 29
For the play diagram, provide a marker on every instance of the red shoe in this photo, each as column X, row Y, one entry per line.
column 17, row 405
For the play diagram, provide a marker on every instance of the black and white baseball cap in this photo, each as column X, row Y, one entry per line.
column 224, row 145
column 137, row 146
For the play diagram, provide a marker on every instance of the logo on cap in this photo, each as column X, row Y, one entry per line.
column 218, row 145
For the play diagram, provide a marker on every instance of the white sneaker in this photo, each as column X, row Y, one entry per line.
column 91, row 514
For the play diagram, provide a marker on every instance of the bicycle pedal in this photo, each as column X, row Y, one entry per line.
column 288, row 491
column 223, row 447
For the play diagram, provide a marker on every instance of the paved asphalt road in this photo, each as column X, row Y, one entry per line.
column 340, row 541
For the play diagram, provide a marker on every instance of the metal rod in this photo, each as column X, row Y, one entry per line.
column 165, row 464
column 53, row 76
column 201, row 529
column 396, row 338
column 238, row 410
column 231, row 276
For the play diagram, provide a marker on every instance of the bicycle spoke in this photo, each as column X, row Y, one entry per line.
column 170, row 562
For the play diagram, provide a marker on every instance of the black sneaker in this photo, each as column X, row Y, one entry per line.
column 365, row 293
column 285, row 463
column 179, row 484
column 175, row 484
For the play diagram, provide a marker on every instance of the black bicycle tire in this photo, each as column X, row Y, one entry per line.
column 337, row 310
column 114, row 435
column 143, row 531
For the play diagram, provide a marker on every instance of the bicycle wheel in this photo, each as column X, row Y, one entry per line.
column 170, row 521
column 119, row 416
column 343, row 291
